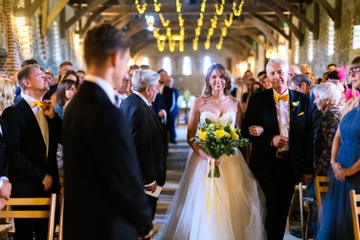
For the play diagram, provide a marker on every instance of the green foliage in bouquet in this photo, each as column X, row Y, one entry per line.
column 217, row 139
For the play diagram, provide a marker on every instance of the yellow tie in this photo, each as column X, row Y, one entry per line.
column 278, row 97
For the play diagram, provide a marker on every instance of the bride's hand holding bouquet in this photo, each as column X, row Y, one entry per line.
column 217, row 139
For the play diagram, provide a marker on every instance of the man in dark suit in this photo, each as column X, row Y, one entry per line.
column 174, row 110
column 35, row 132
column 146, row 130
column 278, row 123
column 166, row 95
column 5, row 185
column 105, row 198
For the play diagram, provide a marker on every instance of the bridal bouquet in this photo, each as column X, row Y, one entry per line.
column 217, row 139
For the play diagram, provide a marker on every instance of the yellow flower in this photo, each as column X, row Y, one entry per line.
column 227, row 135
column 295, row 104
column 234, row 135
column 212, row 125
column 219, row 133
column 203, row 136
column 218, row 125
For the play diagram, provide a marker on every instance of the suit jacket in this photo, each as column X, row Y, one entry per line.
column 157, row 105
column 28, row 163
column 261, row 111
column 4, row 149
column 168, row 98
column 148, row 138
column 174, row 110
column 102, row 175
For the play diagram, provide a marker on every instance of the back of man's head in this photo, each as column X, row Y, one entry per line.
column 301, row 78
column 102, row 41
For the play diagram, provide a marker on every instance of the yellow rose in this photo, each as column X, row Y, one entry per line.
column 219, row 133
column 227, row 135
column 234, row 135
column 203, row 136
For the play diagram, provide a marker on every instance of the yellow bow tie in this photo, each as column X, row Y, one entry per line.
column 278, row 97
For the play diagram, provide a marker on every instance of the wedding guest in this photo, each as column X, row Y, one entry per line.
column 331, row 67
column 121, row 92
column 35, row 132
column 266, row 83
column 64, row 93
column 103, row 179
column 49, row 76
column 63, row 68
column 278, row 122
column 81, row 74
column 7, row 93
column 69, row 75
column 174, row 110
column 355, row 81
column 344, row 173
column 147, row 133
column 306, row 69
column 293, row 70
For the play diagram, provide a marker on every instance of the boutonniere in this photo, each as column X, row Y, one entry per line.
column 302, row 113
column 295, row 104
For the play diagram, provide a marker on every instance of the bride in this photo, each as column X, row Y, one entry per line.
column 229, row 207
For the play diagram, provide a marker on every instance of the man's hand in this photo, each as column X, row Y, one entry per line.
column 279, row 141
column 47, row 182
column 161, row 113
column 305, row 178
column 48, row 109
column 151, row 188
column 2, row 203
column 256, row 130
column 149, row 234
column 5, row 190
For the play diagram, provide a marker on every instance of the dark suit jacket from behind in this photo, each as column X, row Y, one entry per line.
column 148, row 138
column 28, row 163
column 4, row 149
column 261, row 111
column 105, row 198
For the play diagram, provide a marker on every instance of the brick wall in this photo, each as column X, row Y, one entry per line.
column 49, row 51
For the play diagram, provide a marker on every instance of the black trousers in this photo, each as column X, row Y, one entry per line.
column 278, row 183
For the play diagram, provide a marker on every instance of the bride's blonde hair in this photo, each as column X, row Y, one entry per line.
column 208, row 89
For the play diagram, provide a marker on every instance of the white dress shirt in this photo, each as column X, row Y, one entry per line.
column 108, row 89
column 283, row 117
column 41, row 119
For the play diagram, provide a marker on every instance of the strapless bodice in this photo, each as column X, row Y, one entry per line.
column 213, row 117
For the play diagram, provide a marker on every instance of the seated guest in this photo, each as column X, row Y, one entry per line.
column 147, row 133
column 65, row 92
column 266, row 83
column 69, row 75
column 7, row 93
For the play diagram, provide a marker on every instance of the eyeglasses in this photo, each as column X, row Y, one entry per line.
column 292, row 74
column 354, row 71
column 126, row 80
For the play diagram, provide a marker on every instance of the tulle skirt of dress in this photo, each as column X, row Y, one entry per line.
column 236, row 204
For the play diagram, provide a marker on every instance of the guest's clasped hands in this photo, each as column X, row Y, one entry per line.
column 339, row 172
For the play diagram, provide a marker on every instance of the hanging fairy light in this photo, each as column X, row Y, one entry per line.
column 181, row 20
column 230, row 21
column 157, row 6
column 150, row 22
column 195, row 43
column 219, row 10
column 178, row 6
column 219, row 45
column 163, row 22
column 238, row 12
column 207, row 43
column 203, row 6
column 141, row 9
column 224, row 31
column 214, row 21
column 181, row 45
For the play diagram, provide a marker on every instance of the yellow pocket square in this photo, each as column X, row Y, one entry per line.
column 302, row 113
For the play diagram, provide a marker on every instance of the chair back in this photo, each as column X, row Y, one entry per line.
column 51, row 202
column 61, row 220
column 355, row 211
column 321, row 186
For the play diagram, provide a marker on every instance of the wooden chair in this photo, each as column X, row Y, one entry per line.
column 321, row 186
column 355, row 211
column 33, row 213
column 61, row 220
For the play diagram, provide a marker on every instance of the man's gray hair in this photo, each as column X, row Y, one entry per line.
column 278, row 60
column 328, row 91
column 300, row 78
column 144, row 78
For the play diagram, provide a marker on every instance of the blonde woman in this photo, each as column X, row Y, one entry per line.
column 7, row 93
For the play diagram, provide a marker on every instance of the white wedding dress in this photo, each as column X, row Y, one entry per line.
column 236, row 204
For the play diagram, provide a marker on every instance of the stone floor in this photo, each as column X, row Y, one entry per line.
column 176, row 162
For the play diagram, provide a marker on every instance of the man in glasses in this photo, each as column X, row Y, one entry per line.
column 121, row 91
